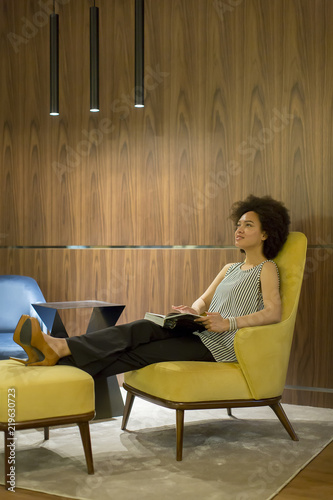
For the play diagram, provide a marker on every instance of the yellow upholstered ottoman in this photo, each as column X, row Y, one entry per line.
column 38, row 396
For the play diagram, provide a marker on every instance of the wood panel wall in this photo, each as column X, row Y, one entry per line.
column 238, row 101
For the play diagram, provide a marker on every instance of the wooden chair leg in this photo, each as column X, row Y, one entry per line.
column 229, row 412
column 279, row 412
column 127, row 410
column 86, row 441
column 46, row 433
column 180, row 434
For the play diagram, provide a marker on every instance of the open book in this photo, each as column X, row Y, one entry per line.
column 173, row 319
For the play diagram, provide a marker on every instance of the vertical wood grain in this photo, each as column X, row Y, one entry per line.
column 238, row 100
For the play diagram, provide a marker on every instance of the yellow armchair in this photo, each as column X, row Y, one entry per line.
column 257, row 379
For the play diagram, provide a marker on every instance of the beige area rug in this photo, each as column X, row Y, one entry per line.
column 247, row 457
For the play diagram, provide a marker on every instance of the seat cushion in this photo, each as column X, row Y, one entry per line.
column 44, row 391
column 9, row 348
column 185, row 381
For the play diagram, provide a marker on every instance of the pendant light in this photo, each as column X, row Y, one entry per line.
column 54, row 62
column 139, row 54
column 94, row 59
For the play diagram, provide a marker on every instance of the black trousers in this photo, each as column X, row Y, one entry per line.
column 123, row 348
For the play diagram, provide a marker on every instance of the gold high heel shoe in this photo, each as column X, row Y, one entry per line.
column 22, row 337
column 46, row 355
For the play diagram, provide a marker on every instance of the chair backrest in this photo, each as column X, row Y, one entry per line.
column 17, row 293
column 263, row 351
column 291, row 262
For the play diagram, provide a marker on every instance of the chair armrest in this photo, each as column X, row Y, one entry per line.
column 263, row 355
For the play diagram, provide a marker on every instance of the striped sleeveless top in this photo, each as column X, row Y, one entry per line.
column 238, row 294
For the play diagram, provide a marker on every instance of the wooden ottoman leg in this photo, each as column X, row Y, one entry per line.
column 86, row 441
column 180, row 433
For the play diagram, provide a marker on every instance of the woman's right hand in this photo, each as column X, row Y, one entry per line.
column 185, row 309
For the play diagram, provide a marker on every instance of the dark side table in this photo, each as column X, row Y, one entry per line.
column 108, row 400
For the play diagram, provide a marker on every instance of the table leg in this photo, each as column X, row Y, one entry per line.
column 108, row 399
column 102, row 317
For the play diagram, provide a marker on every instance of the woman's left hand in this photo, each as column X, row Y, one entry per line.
column 214, row 322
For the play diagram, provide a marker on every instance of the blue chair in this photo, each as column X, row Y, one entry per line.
column 17, row 293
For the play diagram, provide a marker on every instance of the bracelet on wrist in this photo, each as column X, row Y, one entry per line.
column 232, row 323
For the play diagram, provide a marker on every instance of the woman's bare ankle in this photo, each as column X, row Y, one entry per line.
column 59, row 345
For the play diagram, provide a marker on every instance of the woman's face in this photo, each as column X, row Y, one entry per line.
column 249, row 233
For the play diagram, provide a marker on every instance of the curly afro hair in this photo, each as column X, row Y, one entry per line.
column 274, row 219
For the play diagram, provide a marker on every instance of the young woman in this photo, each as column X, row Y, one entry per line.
column 242, row 294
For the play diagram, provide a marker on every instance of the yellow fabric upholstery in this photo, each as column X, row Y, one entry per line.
column 45, row 392
column 262, row 352
column 191, row 381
